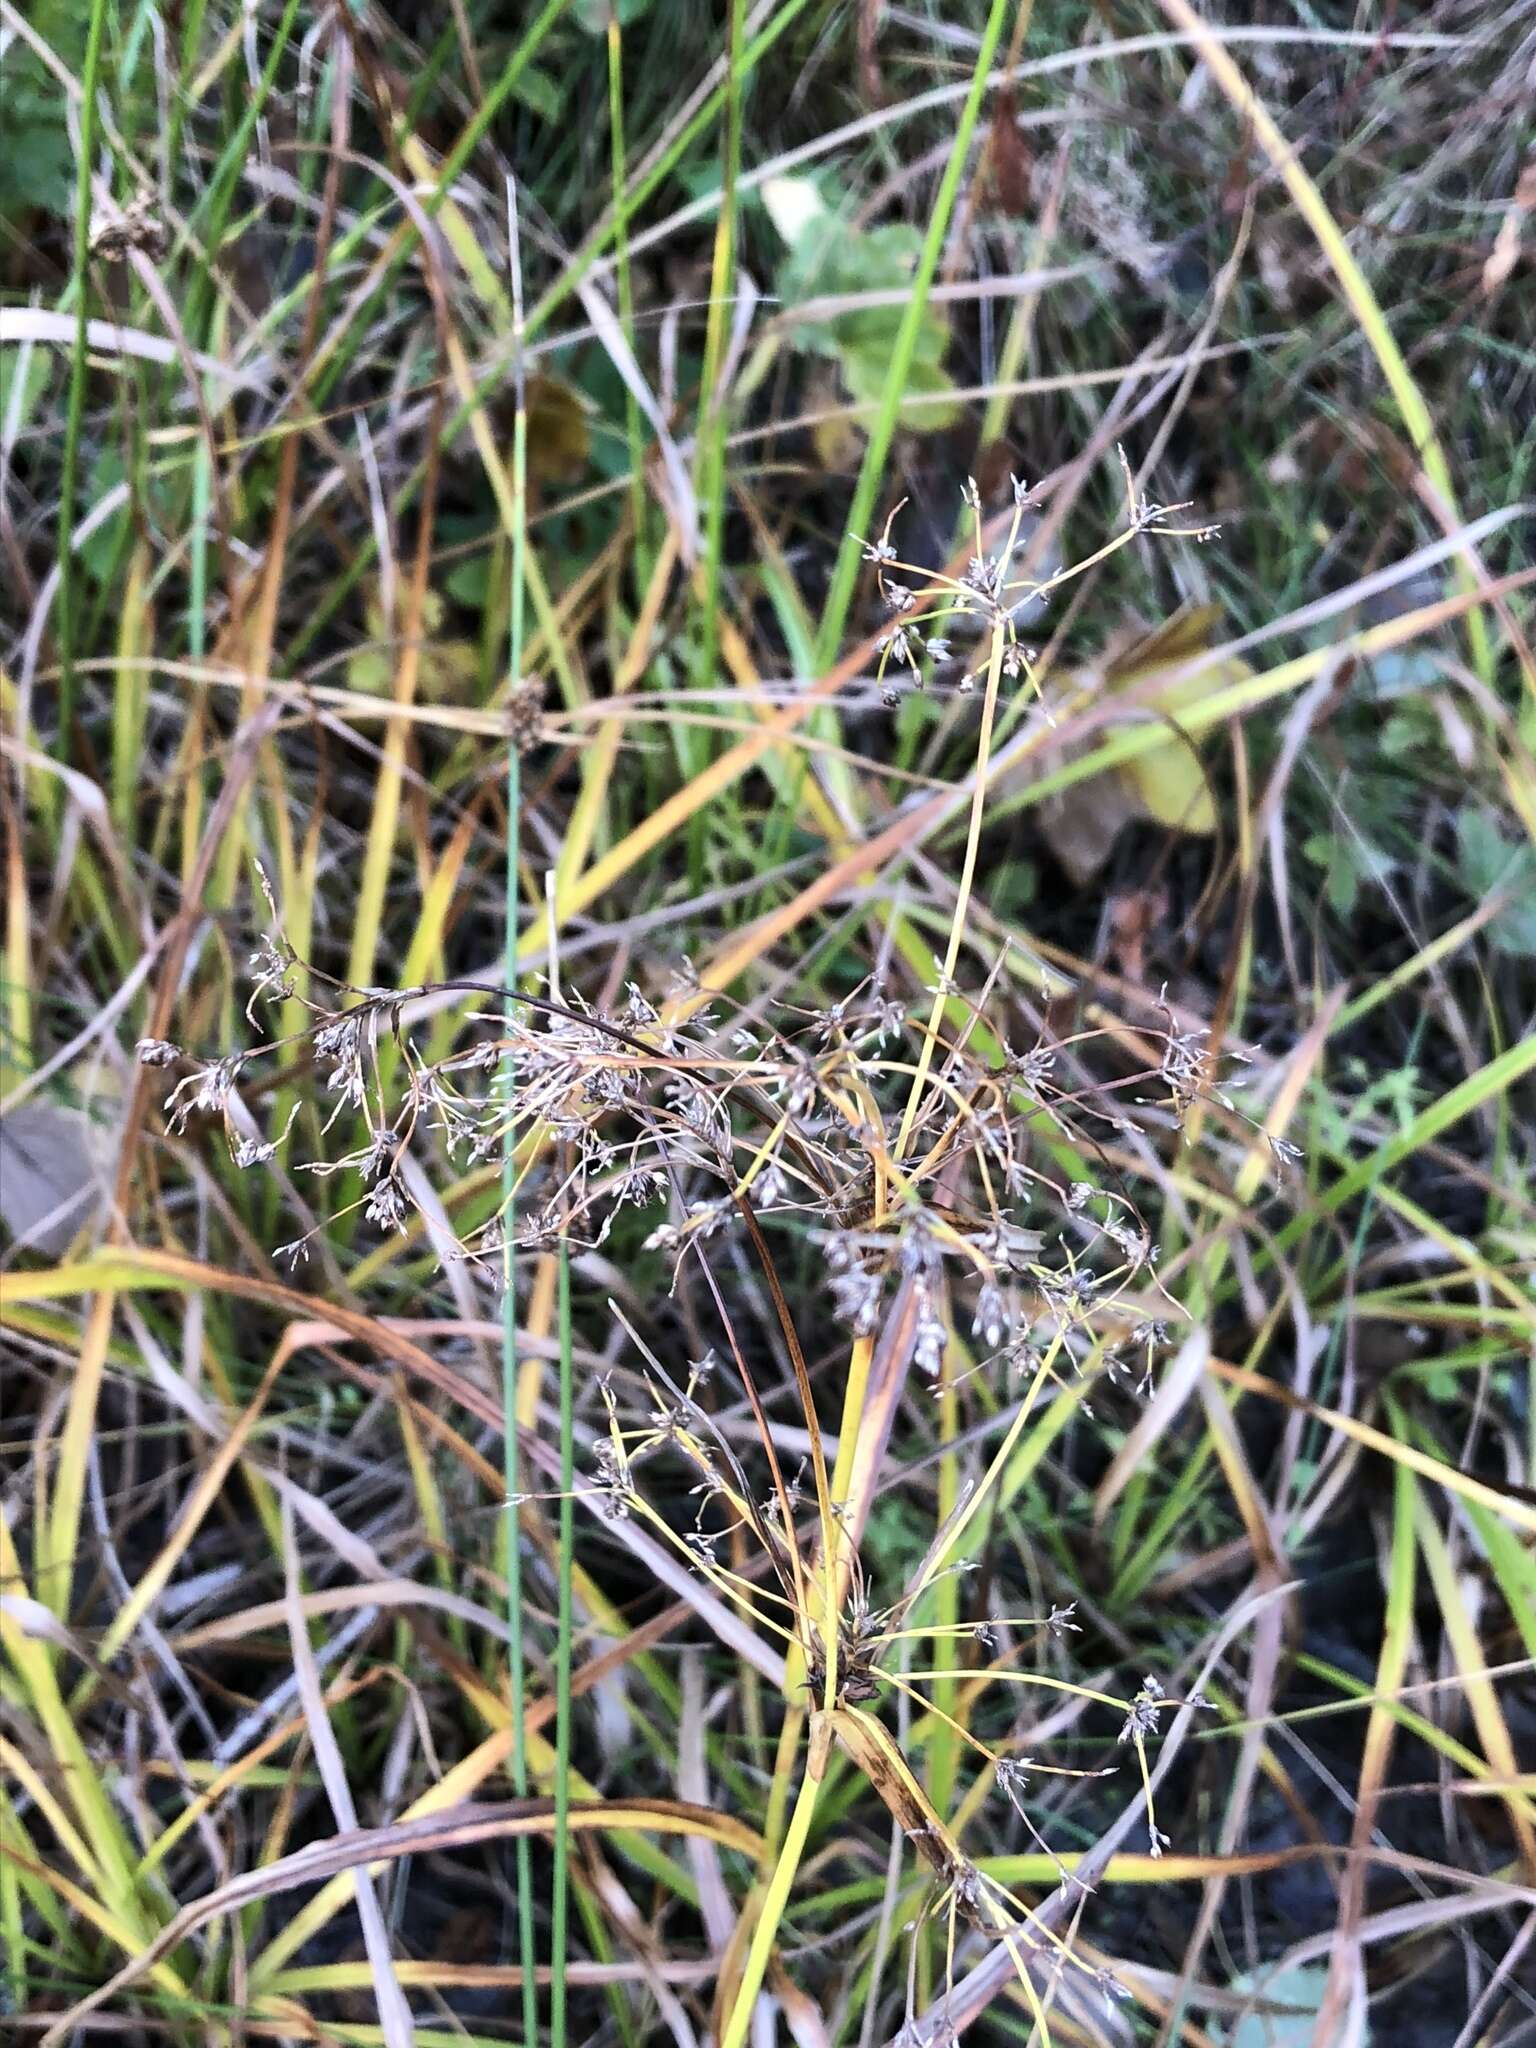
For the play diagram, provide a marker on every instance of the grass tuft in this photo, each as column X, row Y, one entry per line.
column 766, row 1025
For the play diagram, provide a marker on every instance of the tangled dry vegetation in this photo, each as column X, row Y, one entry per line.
column 767, row 1211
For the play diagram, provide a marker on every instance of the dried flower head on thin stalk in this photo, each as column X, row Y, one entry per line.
column 987, row 593
column 958, row 1172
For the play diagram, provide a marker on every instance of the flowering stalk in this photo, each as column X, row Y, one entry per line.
column 510, row 1449
column 920, row 1183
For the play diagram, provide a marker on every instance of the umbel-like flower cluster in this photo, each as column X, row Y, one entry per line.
column 971, row 1170
column 932, row 1154
column 989, row 598
column 1007, row 1188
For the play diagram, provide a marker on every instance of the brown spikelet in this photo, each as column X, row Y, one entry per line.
column 525, row 714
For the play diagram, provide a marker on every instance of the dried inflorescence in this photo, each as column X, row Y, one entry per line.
column 948, row 1180
column 525, row 714
column 116, row 232
column 679, row 1108
column 988, row 595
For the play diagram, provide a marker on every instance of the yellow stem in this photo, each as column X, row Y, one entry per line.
column 776, row 1897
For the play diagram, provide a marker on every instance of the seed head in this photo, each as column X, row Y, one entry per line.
column 525, row 714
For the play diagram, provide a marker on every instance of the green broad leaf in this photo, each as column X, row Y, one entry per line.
column 469, row 582
column 1408, row 732
column 1341, row 885
column 536, row 89
column 38, row 366
column 896, row 1536
column 37, row 162
column 1404, row 671
column 828, row 259
column 1491, row 865
column 864, row 373
column 1349, row 862
column 1291, row 2001
column 99, row 551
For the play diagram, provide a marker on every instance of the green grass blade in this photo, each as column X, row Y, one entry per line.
column 840, row 596
column 80, row 282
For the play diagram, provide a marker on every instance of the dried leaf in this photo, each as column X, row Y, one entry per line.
column 1169, row 780
column 1167, row 784
column 1010, row 160
column 559, row 441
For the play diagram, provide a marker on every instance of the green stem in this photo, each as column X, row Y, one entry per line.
column 618, row 173
column 711, row 466
column 840, row 596
column 76, row 414
column 560, row 1906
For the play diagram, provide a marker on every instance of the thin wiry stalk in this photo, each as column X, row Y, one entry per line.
column 76, row 413
column 619, row 171
column 511, row 1472
column 711, row 481
column 197, row 559
column 567, row 1537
